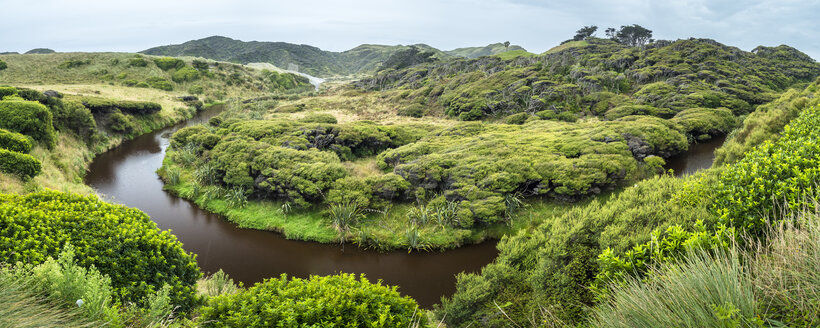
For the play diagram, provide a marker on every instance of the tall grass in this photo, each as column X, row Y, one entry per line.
column 20, row 307
column 703, row 290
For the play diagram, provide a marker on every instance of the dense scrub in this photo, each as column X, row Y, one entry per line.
column 594, row 76
column 122, row 243
column 332, row 301
column 14, row 141
column 28, row 118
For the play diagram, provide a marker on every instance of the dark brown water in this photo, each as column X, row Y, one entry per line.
column 699, row 156
column 126, row 175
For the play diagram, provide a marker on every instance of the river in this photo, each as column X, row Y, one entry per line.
column 127, row 175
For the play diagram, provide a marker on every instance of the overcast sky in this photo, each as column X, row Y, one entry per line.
column 110, row 25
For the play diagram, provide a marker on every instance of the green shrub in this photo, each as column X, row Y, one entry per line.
column 103, row 105
column 627, row 110
column 22, row 165
column 196, row 89
column 130, row 83
column 166, row 63
column 414, row 110
column 122, row 243
column 200, row 65
column 75, row 117
column 704, row 290
column 517, row 119
column 74, row 63
column 3, row 66
column 7, row 91
column 143, row 85
column 330, row 301
column 708, row 121
column 120, row 122
column 319, row 118
column 14, row 142
column 28, row 118
column 185, row 74
column 159, row 83
column 137, row 62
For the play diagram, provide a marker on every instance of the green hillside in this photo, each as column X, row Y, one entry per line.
column 489, row 50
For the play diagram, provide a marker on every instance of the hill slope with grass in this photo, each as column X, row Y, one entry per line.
column 363, row 59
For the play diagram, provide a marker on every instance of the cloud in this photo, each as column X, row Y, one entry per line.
column 96, row 25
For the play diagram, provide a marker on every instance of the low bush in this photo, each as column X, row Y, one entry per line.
column 74, row 116
column 414, row 110
column 14, row 142
column 28, row 118
column 137, row 62
column 196, row 89
column 517, row 119
column 7, row 91
column 3, row 66
column 22, row 165
column 166, row 63
column 120, row 242
column 160, row 83
column 185, row 74
column 103, row 105
column 331, row 301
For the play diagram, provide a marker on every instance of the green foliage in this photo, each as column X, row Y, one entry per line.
column 22, row 165
column 21, row 306
column 705, row 121
column 74, row 116
column 282, row 82
column 704, row 290
column 137, row 62
column 14, row 142
column 517, row 119
column 196, row 89
column 122, row 243
column 7, row 91
column 185, row 74
column 103, row 105
column 119, row 122
column 3, row 66
column 545, row 269
column 166, row 63
column 413, row 110
column 477, row 164
column 406, row 58
column 330, row 301
column 29, row 118
column 218, row 284
column 74, row 63
column 159, row 83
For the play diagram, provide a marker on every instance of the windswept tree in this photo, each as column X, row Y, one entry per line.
column 584, row 33
column 631, row 35
column 506, row 45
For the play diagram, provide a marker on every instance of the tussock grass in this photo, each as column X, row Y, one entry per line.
column 22, row 308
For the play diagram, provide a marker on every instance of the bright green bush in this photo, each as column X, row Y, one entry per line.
column 159, row 83
column 185, row 74
column 137, row 62
column 196, row 89
column 330, row 301
column 28, row 118
column 121, row 242
column 7, row 91
column 23, row 165
column 319, row 118
column 166, row 63
column 517, row 119
column 705, row 121
column 14, row 141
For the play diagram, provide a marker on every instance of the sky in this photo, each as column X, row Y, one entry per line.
column 130, row 26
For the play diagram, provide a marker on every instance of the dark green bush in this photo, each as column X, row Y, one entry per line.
column 7, row 91
column 28, row 118
column 414, row 110
column 330, row 301
column 120, row 242
column 103, row 105
column 185, row 74
column 120, row 122
column 137, row 62
column 3, row 66
column 129, row 83
column 74, row 116
column 22, row 165
column 14, row 141
column 166, row 63
column 143, row 85
column 200, row 65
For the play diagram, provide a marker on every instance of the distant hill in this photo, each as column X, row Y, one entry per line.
column 475, row 52
column 363, row 59
column 40, row 51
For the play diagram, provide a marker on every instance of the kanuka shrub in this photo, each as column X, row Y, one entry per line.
column 22, row 165
column 321, row 301
column 119, row 241
column 14, row 141
column 166, row 63
column 29, row 118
